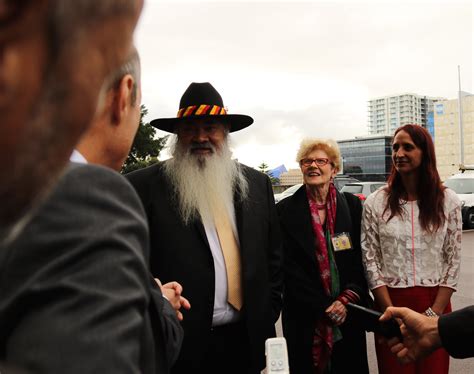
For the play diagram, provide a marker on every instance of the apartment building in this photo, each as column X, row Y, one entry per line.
column 386, row 114
column 447, row 139
column 291, row 177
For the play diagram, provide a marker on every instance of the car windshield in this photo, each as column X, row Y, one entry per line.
column 460, row 185
column 340, row 182
column 352, row 188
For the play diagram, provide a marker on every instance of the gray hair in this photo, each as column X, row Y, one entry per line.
column 132, row 67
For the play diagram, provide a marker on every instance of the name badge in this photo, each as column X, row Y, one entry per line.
column 342, row 242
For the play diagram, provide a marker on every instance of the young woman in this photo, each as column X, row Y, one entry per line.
column 411, row 241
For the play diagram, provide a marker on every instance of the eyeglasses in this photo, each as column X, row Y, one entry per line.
column 307, row 162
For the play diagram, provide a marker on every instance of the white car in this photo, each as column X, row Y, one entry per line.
column 463, row 185
column 339, row 181
column 288, row 192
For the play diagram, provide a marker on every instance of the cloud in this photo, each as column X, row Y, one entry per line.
column 301, row 68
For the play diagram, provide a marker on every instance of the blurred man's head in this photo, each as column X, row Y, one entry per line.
column 109, row 138
column 54, row 57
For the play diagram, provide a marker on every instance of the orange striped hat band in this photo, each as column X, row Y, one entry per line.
column 201, row 110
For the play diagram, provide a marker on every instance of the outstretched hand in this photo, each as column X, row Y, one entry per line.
column 420, row 334
column 172, row 291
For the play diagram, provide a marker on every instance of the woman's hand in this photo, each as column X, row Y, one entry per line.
column 337, row 313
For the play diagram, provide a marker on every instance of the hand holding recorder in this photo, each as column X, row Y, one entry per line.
column 370, row 319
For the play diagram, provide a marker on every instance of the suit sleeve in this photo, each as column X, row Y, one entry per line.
column 85, row 294
column 357, row 281
column 301, row 287
column 171, row 330
column 456, row 330
column 275, row 256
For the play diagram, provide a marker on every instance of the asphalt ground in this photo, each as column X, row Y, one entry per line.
column 462, row 298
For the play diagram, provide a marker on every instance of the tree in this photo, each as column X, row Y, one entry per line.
column 263, row 167
column 145, row 148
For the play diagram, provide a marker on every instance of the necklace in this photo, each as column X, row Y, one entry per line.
column 320, row 206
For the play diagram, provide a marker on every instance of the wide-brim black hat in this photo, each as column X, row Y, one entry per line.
column 199, row 101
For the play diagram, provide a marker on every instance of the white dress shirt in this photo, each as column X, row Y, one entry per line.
column 77, row 157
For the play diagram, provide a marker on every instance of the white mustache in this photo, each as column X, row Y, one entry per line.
column 207, row 145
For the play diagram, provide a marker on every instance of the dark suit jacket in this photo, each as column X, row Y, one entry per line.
column 76, row 294
column 456, row 330
column 304, row 298
column 182, row 253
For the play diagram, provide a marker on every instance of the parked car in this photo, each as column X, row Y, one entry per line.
column 339, row 182
column 463, row 185
column 362, row 189
column 288, row 192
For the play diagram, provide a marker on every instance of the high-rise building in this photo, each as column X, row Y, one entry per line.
column 447, row 138
column 386, row 114
column 367, row 158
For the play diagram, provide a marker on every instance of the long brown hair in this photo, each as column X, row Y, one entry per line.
column 430, row 190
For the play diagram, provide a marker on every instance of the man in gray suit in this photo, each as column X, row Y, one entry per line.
column 54, row 57
column 109, row 138
column 76, row 292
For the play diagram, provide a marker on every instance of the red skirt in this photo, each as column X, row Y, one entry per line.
column 418, row 299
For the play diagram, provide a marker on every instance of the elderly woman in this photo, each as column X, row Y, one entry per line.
column 411, row 241
column 323, row 268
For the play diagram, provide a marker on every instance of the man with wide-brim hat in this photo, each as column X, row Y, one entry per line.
column 214, row 229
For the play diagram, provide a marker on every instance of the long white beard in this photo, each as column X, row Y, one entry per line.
column 204, row 184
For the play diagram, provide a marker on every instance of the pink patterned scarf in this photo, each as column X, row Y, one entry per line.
column 323, row 338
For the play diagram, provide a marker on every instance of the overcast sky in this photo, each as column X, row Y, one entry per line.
column 301, row 69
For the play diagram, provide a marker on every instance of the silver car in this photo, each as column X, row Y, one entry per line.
column 362, row 189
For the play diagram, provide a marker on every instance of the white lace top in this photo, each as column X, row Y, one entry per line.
column 398, row 253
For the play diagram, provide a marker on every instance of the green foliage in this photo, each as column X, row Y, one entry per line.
column 263, row 167
column 145, row 148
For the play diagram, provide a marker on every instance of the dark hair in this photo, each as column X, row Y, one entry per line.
column 430, row 190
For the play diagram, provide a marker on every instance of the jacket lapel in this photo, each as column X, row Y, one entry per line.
column 202, row 232
column 297, row 222
column 342, row 214
column 239, row 219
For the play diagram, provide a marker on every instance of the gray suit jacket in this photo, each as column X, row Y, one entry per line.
column 76, row 294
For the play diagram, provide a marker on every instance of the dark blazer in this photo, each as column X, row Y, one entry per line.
column 76, row 293
column 304, row 298
column 182, row 253
column 456, row 330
